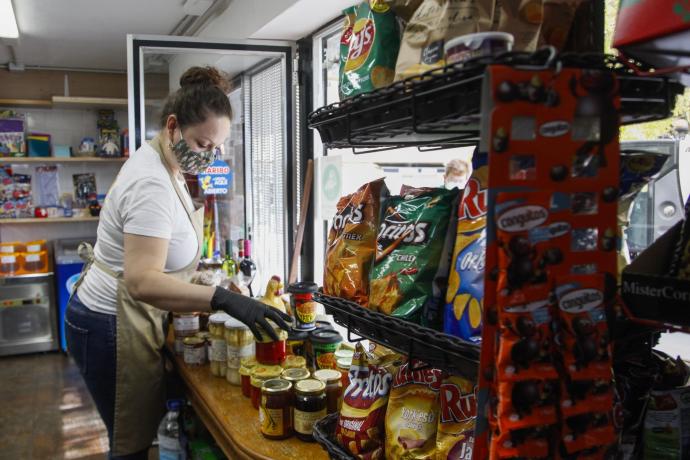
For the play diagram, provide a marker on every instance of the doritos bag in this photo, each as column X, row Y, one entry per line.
column 465, row 295
column 413, row 407
column 410, row 245
column 455, row 438
column 352, row 243
column 360, row 427
column 374, row 46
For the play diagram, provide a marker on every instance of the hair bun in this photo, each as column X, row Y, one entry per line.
column 205, row 76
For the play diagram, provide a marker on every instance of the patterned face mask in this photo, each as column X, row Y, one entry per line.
column 191, row 162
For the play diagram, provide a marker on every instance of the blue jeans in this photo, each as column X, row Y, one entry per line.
column 91, row 341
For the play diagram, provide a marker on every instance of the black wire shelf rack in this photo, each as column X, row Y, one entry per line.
column 441, row 108
column 324, row 434
column 435, row 348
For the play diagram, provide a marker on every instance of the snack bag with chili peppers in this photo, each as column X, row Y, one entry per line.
column 455, row 438
column 583, row 335
column 410, row 249
column 352, row 243
column 465, row 294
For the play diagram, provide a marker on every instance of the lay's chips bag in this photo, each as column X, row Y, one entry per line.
column 465, row 295
column 455, row 437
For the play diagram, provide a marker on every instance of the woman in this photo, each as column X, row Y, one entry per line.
column 149, row 243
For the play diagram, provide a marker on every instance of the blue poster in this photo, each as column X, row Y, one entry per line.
column 217, row 178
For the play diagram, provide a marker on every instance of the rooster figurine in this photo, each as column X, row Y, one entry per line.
column 273, row 295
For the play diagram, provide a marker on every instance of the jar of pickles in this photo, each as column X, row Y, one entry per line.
column 334, row 388
column 239, row 342
column 218, row 351
column 258, row 376
column 275, row 410
column 269, row 351
column 310, row 407
column 293, row 362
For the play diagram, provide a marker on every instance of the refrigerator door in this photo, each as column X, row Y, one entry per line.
column 259, row 150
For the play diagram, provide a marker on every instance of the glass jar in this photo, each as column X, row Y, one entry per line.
column 303, row 305
column 344, row 365
column 246, row 381
column 324, row 343
column 194, row 351
column 218, row 351
column 295, row 375
column 344, row 353
column 275, row 411
column 239, row 342
column 334, row 388
column 310, row 407
column 272, row 352
column 185, row 324
column 178, row 345
column 294, row 362
column 258, row 376
column 296, row 342
column 206, row 337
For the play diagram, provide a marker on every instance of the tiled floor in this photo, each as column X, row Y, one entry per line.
column 46, row 411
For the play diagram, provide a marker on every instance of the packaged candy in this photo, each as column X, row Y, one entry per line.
column 465, row 295
column 522, row 19
column 350, row 14
column 410, row 245
column 532, row 443
column 352, row 243
column 582, row 396
column 360, row 428
column 525, row 339
column 456, row 420
column 527, row 403
column 412, row 414
column 583, row 336
column 373, row 49
column 588, row 430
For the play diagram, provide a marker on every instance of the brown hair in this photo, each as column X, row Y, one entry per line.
column 203, row 92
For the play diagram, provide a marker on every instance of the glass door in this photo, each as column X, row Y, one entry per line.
column 259, row 150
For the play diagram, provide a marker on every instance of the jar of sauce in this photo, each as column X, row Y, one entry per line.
column 259, row 375
column 275, row 410
column 295, row 375
column 247, row 365
column 310, row 407
column 324, row 344
column 344, row 365
column 334, row 388
column 206, row 337
column 194, row 351
column 272, row 352
column 293, row 362
column 185, row 324
column 218, row 351
column 303, row 305
column 296, row 342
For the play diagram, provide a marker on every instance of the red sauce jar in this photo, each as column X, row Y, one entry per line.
column 259, row 375
column 272, row 352
column 246, row 381
column 275, row 411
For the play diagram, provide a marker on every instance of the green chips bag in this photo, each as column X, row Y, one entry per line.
column 412, row 246
column 372, row 51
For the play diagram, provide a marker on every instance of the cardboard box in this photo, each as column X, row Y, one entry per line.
column 649, row 294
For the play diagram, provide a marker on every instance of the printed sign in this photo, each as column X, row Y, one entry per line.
column 217, row 178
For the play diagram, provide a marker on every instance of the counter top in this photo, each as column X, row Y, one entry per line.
column 232, row 420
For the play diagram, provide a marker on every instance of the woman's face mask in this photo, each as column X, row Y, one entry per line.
column 191, row 162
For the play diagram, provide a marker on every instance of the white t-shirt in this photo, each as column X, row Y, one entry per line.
column 142, row 201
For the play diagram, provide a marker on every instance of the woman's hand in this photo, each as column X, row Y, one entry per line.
column 249, row 311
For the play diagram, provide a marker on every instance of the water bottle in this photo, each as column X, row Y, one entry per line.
column 169, row 445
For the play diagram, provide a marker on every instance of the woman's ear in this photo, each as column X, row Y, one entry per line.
column 171, row 123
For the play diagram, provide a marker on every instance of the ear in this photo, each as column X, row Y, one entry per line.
column 171, row 122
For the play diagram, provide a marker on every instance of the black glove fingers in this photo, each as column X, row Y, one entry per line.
column 269, row 330
column 280, row 318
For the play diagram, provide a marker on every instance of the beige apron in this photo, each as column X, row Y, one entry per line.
column 141, row 334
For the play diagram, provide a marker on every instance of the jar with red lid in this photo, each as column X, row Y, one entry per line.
column 272, row 352
column 275, row 410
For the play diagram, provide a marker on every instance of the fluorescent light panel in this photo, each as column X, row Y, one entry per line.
column 8, row 22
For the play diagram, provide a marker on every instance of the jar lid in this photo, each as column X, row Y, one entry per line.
column 327, row 375
column 185, row 315
column 219, row 318
column 203, row 335
column 265, row 338
column 267, row 372
column 276, row 386
column 326, row 337
column 193, row 340
column 297, row 335
column 234, row 324
column 245, row 371
column 294, row 361
column 249, row 362
column 303, row 287
column 255, row 382
column 344, row 363
column 310, row 386
column 297, row 373
column 344, row 353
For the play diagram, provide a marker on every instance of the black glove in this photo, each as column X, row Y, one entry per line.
column 249, row 311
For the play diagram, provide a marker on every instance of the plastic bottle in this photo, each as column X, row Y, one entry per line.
column 169, row 445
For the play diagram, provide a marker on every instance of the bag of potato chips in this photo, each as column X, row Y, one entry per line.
column 412, row 415
column 350, row 14
column 523, row 20
column 360, row 428
column 352, row 243
column 410, row 245
column 455, row 437
column 373, row 49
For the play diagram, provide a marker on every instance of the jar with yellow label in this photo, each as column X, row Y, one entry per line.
column 218, row 351
column 259, row 375
column 239, row 342
column 295, row 362
column 310, row 407
column 275, row 411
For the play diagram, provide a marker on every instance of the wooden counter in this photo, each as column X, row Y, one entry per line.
column 232, row 420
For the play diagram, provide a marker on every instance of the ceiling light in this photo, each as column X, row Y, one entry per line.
column 8, row 22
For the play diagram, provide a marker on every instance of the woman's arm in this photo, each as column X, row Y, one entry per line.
column 145, row 258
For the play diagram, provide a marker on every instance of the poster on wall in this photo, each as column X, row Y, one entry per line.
column 216, row 179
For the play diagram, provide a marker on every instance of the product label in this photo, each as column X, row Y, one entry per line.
column 360, row 43
column 235, row 354
column 33, row 248
column 194, row 355
column 179, row 346
column 325, row 357
column 188, row 324
column 304, row 421
column 271, row 421
column 218, row 350
column 306, row 314
column 33, row 258
column 8, row 259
